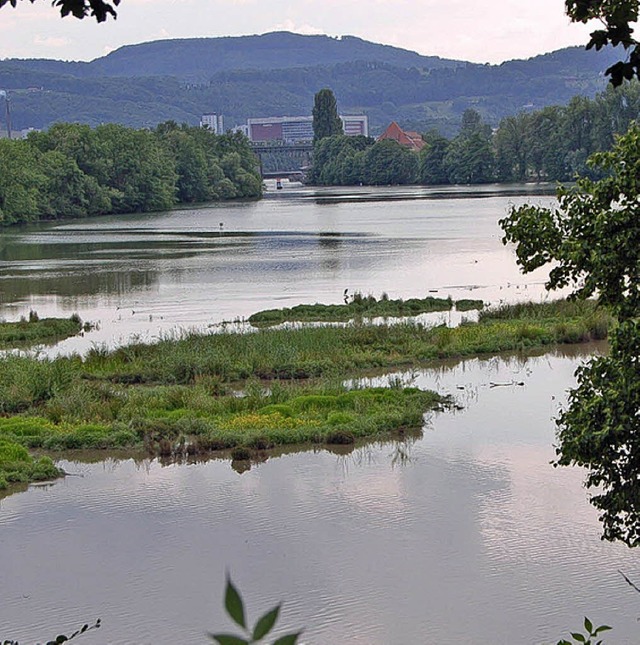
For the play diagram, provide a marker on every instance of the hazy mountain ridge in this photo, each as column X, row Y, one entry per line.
column 196, row 59
column 421, row 92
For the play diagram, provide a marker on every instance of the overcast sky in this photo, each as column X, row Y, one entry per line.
column 475, row 30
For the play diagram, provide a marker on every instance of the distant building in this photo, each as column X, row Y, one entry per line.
column 17, row 134
column 410, row 139
column 213, row 122
column 242, row 129
column 355, row 125
column 296, row 129
column 290, row 129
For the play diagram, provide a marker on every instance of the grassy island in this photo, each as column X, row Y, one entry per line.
column 360, row 307
column 253, row 391
column 34, row 330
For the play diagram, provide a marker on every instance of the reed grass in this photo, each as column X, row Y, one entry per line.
column 34, row 330
column 360, row 307
column 177, row 398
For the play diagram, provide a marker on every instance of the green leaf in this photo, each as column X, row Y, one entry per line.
column 289, row 639
column 233, row 604
column 588, row 625
column 602, row 628
column 266, row 623
column 228, row 639
column 578, row 637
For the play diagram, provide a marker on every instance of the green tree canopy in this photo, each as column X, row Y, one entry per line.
column 326, row 122
column 592, row 242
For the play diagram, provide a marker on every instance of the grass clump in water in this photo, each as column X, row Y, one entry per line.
column 183, row 420
column 34, row 330
column 308, row 352
column 18, row 466
column 360, row 307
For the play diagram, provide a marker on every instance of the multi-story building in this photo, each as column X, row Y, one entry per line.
column 355, row 125
column 295, row 129
column 213, row 122
column 290, row 129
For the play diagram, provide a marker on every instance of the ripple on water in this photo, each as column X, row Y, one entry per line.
column 472, row 538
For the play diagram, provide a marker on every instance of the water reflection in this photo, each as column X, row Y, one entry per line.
column 464, row 535
column 180, row 269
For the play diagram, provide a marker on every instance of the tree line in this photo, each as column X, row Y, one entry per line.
column 552, row 144
column 73, row 170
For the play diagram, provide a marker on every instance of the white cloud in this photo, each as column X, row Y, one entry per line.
column 304, row 29
column 51, row 41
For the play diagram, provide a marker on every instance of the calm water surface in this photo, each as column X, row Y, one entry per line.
column 472, row 537
column 143, row 275
column 467, row 535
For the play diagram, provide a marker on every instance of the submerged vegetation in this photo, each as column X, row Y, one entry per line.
column 36, row 330
column 360, row 306
column 180, row 397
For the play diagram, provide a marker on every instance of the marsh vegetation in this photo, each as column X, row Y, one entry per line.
column 360, row 306
column 201, row 393
column 34, row 330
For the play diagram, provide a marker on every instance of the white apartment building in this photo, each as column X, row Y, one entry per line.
column 213, row 122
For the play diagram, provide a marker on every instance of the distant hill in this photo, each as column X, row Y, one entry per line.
column 197, row 59
column 278, row 74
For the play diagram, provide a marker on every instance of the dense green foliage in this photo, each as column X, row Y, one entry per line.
column 360, row 306
column 326, row 122
column 36, row 330
column 551, row 144
column 18, row 466
column 342, row 160
column 592, row 241
column 617, row 18
column 278, row 74
column 75, row 171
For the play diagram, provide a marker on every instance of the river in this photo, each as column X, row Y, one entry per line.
column 466, row 534
column 140, row 276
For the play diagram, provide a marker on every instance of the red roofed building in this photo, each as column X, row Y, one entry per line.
column 409, row 139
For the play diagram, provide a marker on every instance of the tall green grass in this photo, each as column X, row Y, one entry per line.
column 190, row 419
column 311, row 352
column 17, row 465
column 35, row 330
column 360, row 307
column 177, row 395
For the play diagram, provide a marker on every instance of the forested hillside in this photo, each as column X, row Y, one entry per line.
column 279, row 73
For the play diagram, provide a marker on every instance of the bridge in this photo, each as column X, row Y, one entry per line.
column 297, row 156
